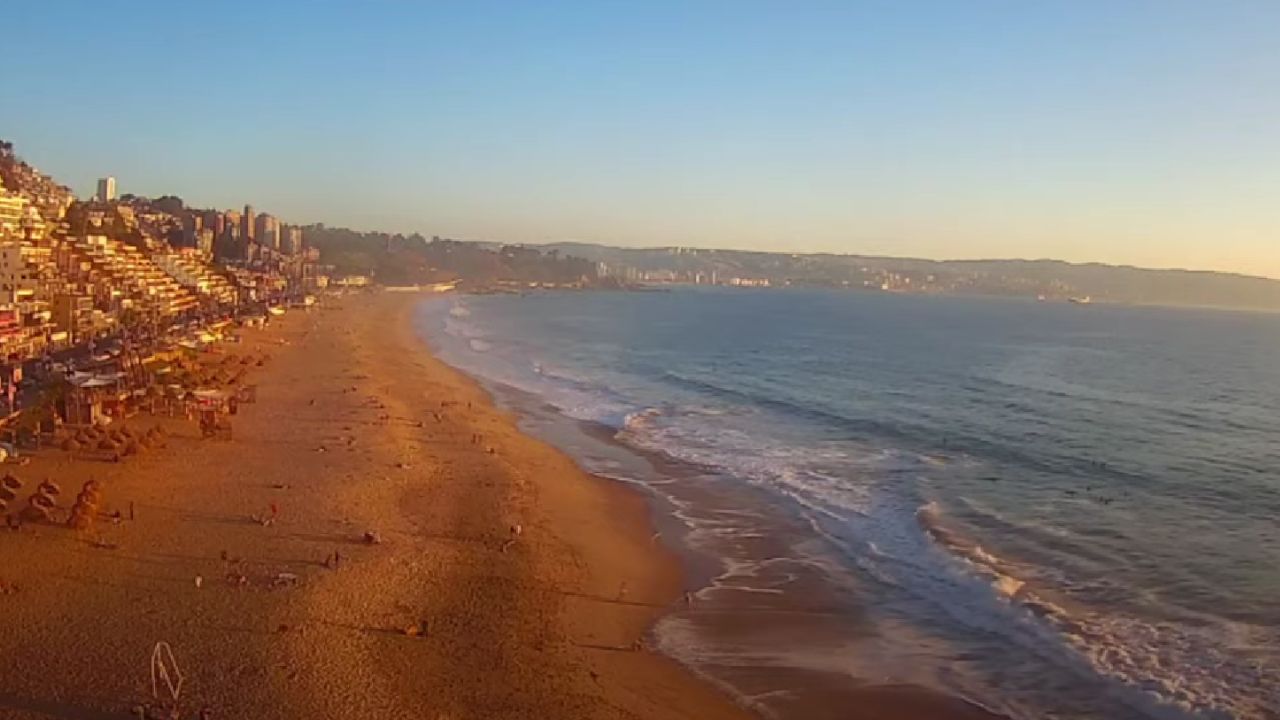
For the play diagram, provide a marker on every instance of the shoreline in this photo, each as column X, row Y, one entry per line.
column 734, row 630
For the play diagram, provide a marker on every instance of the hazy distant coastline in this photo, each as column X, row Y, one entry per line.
column 1052, row 279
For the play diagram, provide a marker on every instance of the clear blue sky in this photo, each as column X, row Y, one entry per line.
column 1119, row 130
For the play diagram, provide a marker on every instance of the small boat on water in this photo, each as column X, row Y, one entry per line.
column 1082, row 300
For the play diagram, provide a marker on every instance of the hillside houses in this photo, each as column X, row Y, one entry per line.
column 188, row 268
column 75, row 271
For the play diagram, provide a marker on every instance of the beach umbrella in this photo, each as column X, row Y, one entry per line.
column 42, row 500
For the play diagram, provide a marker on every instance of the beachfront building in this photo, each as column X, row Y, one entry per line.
column 34, row 293
column 263, row 283
column 15, row 274
column 26, row 274
column 188, row 269
column 351, row 281
column 14, row 282
column 75, row 317
column 13, row 339
column 13, row 210
column 123, row 279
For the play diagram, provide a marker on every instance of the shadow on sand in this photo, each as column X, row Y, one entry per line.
column 58, row 709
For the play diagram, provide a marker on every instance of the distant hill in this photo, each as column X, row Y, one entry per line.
column 1127, row 284
column 407, row 259
column 1054, row 279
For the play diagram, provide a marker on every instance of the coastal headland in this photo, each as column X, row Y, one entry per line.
column 376, row 540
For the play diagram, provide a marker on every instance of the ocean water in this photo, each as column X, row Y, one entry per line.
column 1054, row 511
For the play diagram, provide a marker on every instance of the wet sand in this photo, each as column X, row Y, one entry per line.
column 528, row 583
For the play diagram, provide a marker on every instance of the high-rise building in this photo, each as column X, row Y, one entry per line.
column 192, row 224
column 204, row 241
column 291, row 240
column 228, row 229
column 267, row 231
column 106, row 189
column 247, row 223
column 229, row 244
column 215, row 221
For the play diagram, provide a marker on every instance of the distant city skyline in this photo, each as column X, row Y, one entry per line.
column 1129, row 134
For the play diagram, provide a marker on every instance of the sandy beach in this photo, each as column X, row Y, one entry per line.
column 529, row 584
column 504, row 582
